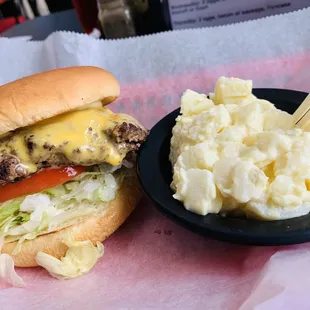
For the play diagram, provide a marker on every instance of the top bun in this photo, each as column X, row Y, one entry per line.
column 47, row 94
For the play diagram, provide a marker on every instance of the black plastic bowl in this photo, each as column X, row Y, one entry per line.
column 155, row 174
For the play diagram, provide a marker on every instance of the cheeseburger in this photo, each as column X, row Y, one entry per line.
column 67, row 165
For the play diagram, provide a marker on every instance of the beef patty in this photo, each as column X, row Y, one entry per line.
column 125, row 137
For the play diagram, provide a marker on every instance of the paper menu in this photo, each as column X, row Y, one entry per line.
column 206, row 13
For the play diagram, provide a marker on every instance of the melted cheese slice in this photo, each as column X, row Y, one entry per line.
column 81, row 136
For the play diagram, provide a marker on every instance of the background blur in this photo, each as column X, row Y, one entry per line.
column 125, row 18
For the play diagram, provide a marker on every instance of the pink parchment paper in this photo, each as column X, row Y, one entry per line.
column 150, row 262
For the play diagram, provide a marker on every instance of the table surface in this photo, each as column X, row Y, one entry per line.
column 43, row 26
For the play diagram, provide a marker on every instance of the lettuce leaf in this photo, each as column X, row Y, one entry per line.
column 6, row 225
column 9, row 209
column 7, row 270
column 80, row 258
column 92, row 186
column 31, row 235
column 21, row 218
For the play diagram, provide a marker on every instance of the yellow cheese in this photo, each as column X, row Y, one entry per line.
column 81, row 136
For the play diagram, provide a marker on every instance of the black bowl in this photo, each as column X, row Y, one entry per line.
column 155, row 174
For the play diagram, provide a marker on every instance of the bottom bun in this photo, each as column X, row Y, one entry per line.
column 93, row 228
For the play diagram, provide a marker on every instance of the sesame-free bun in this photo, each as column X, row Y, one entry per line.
column 34, row 98
column 94, row 228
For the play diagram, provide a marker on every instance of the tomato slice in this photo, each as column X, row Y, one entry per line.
column 39, row 181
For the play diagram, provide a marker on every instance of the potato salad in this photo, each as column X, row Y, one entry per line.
column 235, row 154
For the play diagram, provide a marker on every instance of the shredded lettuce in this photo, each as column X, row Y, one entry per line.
column 8, row 210
column 22, row 217
column 64, row 217
column 71, row 185
column 37, row 204
column 31, row 235
column 56, row 191
column 94, row 187
column 80, row 258
column 6, row 225
column 7, row 270
column 29, row 216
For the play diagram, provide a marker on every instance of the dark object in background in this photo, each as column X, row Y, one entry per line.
column 156, row 185
column 10, row 15
column 87, row 13
column 59, row 5
column 10, row 9
column 151, row 16
column 116, row 19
